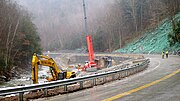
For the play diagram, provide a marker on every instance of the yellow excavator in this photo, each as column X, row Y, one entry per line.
column 55, row 72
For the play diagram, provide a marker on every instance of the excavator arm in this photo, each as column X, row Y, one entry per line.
column 47, row 61
column 35, row 62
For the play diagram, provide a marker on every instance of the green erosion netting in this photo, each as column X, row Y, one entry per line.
column 155, row 41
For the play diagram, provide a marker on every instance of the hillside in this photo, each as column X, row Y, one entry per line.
column 154, row 41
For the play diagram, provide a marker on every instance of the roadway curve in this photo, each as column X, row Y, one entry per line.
column 153, row 84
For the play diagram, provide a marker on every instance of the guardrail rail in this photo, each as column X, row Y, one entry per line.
column 45, row 86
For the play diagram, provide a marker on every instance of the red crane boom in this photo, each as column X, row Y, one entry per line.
column 90, row 48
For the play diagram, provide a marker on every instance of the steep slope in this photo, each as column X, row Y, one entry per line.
column 154, row 41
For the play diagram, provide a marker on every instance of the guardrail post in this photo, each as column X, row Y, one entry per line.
column 65, row 88
column 128, row 72
column 119, row 76
column 113, row 76
column 125, row 72
column 141, row 68
column 104, row 79
column 21, row 96
column 124, row 75
column 94, row 82
column 133, row 71
column 81, row 84
column 136, row 70
column 45, row 92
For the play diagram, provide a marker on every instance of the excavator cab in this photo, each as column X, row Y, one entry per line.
column 56, row 73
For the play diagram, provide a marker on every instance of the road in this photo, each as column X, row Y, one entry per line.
column 160, row 82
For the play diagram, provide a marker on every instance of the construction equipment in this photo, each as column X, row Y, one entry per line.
column 55, row 72
column 92, row 64
column 95, row 64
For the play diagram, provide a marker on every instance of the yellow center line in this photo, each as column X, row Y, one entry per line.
column 141, row 87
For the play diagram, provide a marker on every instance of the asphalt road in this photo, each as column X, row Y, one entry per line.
column 160, row 82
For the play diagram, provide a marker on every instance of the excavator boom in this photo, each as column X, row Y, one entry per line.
column 47, row 61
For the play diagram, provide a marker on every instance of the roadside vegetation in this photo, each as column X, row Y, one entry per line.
column 174, row 36
column 162, row 38
column 113, row 24
column 18, row 39
column 129, row 20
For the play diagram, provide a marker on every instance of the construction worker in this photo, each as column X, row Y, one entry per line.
column 79, row 67
column 162, row 55
column 166, row 54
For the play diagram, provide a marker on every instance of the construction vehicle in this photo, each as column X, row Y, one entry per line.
column 92, row 63
column 95, row 64
column 56, row 73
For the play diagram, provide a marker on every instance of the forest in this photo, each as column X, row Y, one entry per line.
column 112, row 23
column 18, row 39
column 128, row 19
column 28, row 26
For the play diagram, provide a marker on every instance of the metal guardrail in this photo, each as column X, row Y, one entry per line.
column 45, row 86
